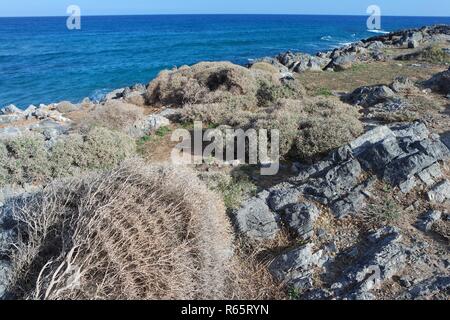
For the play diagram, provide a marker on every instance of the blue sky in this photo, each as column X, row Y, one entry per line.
column 114, row 7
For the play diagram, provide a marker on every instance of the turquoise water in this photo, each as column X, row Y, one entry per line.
column 41, row 61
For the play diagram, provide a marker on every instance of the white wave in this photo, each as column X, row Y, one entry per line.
column 326, row 38
column 99, row 94
column 378, row 31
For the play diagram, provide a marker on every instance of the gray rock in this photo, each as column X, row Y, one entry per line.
column 5, row 268
column 295, row 267
column 255, row 220
column 370, row 96
column 413, row 44
column 434, row 287
column 334, row 183
column 440, row 82
column 440, row 193
column 384, row 258
column 431, row 175
column 402, row 84
column 66, row 106
column 301, row 218
column 11, row 109
column 376, row 45
column 428, row 219
column 370, row 138
column 283, row 196
column 344, row 62
column 149, row 124
column 9, row 118
column 299, row 62
column 355, row 201
column 115, row 94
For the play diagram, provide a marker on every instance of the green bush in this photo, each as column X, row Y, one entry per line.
column 27, row 160
column 234, row 190
column 103, row 148
column 436, row 55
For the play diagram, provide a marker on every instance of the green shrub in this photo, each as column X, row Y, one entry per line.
column 234, row 190
column 3, row 164
column 27, row 160
column 270, row 92
column 436, row 55
column 324, row 92
column 103, row 148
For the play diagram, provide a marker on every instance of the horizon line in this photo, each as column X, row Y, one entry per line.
column 224, row 14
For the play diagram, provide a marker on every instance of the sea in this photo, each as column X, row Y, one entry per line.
column 42, row 61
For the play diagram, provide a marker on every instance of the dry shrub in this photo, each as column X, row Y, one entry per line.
column 137, row 232
column 285, row 117
column 221, row 82
column 201, row 83
column 329, row 124
column 114, row 114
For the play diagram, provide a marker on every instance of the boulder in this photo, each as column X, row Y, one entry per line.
column 384, row 258
column 371, row 95
column 440, row 193
column 428, row 219
column 9, row 110
column 299, row 62
column 282, row 196
column 440, row 82
column 66, row 107
column 428, row 289
column 344, row 62
column 115, row 94
column 255, row 220
column 402, row 85
column 300, row 218
column 295, row 266
column 149, row 124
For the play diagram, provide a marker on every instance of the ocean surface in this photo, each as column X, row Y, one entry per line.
column 41, row 61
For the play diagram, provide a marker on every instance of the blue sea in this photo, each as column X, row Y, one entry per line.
column 41, row 61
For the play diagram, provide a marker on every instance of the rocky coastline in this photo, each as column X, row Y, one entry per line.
column 363, row 217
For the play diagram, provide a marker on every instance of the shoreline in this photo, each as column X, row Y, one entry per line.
column 341, row 46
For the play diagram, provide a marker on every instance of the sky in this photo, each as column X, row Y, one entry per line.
column 19, row 8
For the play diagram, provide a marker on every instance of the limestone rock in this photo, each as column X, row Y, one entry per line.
column 255, row 220
column 440, row 193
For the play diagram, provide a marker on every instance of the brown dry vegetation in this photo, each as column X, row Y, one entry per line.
column 114, row 115
column 136, row 232
column 147, row 233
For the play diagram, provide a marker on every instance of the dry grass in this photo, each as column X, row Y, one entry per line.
column 115, row 115
column 136, row 232
column 372, row 73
